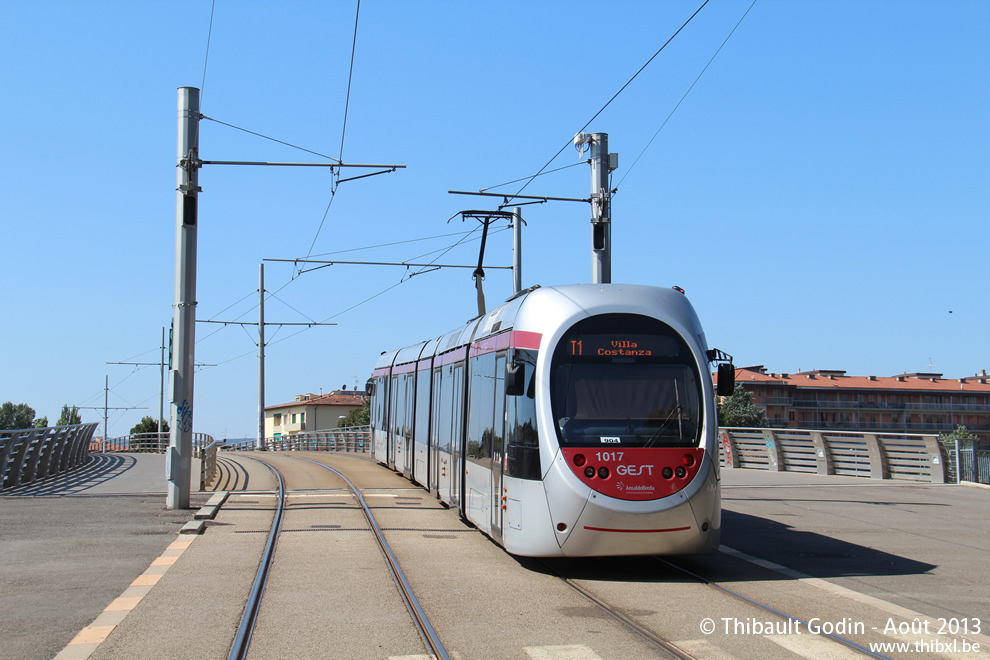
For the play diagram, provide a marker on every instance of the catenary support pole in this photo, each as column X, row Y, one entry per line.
column 260, row 442
column 161, row 389
column 601, row 211
column 516, row 250
column 106, row 414
column 179, row 458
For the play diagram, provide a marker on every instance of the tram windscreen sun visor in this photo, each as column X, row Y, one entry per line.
column 625, row 380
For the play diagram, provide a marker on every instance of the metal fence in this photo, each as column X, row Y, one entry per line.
column 966, row 462
column 28, row 455
column 208, row 463
column 354, row 439
column 153, row 443
column 204, row 448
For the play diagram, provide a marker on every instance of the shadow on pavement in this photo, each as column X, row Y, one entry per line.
column 99, row 469
column 810, row 553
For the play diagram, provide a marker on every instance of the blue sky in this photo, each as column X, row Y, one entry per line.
column 821, row 194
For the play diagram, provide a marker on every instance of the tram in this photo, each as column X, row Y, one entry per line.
column 575, row 420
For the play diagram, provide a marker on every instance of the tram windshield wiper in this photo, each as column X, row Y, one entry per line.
column 676, row 411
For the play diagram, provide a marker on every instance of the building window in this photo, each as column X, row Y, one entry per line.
column 293, row 418
column 278, row 420
column 302, row 418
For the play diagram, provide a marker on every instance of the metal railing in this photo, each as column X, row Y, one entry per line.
column 879, row 405
column 910, row 457
column 966, row 462
column 353, row 439
column 28, row 455
column 888, row 426
column 207, row 462
column 153, row 443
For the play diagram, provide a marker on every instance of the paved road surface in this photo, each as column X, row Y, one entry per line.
column 73, row 543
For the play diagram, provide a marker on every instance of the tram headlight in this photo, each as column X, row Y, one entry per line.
column 667, row 473
column 579, row 460
column 680, row 471
column 589, row 472
column 688, row 460
column 603, row 473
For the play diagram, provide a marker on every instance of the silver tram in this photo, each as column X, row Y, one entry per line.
column 574, row 420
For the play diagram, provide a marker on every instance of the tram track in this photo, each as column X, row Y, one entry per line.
column 566, row 573
column 848, row 643
column 617, row 590
column 421, row 622
column 645, row 632
column 242, row 640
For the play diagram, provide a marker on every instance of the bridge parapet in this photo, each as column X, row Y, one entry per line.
column 354, row 439
column 154, row 443
column 27, row 455
column 911, row 457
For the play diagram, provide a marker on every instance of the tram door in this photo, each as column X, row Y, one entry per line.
column 457, row 438
column 434, row 449
column 393, row 425
column 498, row 445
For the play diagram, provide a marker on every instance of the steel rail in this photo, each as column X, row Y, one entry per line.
column 835, row 638
column 637, row 628
column 242, row 640
column 423, row 625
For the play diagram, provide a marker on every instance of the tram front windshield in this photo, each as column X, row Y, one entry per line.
column 625, row 380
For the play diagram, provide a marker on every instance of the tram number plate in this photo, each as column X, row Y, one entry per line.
column 609, row 456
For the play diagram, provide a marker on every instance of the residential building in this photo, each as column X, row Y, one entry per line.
column 909, row 403
column 311, row 412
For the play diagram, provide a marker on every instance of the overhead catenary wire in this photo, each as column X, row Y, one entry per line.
column 558, row 169
column 266, row 137
column 270, row 294
column 381, row 245
column 405, row 278
column 206, row 61
column 614, row 96
column 350, row 77
column 725, row 41
column 343, row 131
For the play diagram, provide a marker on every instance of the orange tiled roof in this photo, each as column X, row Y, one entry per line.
column 823, row 380
column 325, row 400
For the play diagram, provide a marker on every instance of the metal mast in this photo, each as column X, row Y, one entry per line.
column 178, row 464
column 601, row 211
column 516, row 250
column 260, row 442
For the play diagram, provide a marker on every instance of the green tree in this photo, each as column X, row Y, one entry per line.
column 961, row 433
column 69, row 416
column 20, row 416
column 149, row 424
column 41, row 423
column 359, row 416
column 739, row 410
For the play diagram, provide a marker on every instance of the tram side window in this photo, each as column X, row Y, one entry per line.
column 407, row 427
column 499, row 419
column 522, row 457
column 457, row 426
column 398, row 399
column 378, row 414
column 445, row 419
column 422, row 405
column 482, row 408
column 435, row 408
